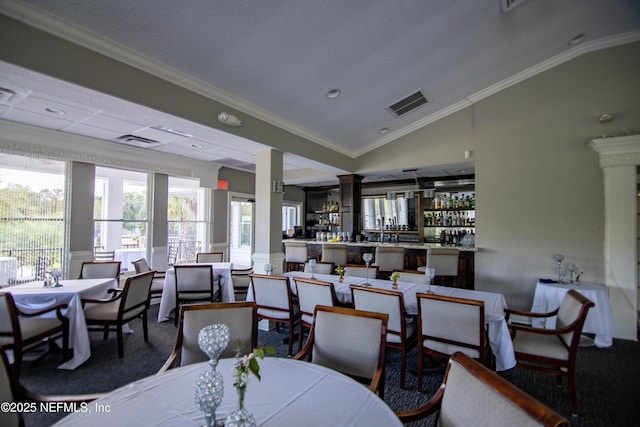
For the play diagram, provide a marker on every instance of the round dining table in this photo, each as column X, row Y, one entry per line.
column 289, row 393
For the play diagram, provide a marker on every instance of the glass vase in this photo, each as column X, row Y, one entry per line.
column 209, row 390
column 240, row 417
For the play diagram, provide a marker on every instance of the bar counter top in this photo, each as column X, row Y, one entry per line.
column 406, row 245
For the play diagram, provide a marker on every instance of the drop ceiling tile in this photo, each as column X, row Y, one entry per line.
column 40, row 105
column 91, row 131
column 35, row 119
column 104, row 121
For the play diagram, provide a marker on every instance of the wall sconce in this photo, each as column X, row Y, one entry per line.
column 229, row 120
column 277, row 187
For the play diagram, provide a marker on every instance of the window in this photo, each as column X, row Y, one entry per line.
column 187, row 220
column 120, row 214
column 290, row 217
column 241, row 231
column 32, row 217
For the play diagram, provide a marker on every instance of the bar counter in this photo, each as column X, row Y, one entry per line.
column 415, row 255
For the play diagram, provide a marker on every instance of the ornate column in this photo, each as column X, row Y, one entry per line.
column 619, row 160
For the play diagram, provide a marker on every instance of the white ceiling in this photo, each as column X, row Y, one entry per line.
column 277, row 59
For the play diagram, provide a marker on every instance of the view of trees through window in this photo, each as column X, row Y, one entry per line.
column 32, row 217
column 186, row 217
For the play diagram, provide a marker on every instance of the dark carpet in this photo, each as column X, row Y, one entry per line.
column 608, row 379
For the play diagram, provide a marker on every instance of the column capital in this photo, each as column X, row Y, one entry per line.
column 617, row 151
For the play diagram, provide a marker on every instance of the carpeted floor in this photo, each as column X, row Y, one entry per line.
column 608, row 379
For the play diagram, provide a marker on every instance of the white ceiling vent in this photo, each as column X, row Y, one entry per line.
column 10, row 97
column 507, row 5
column 136, row 141
column 408, row 104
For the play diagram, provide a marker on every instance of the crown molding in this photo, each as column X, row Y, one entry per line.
column 550, row 63
column 79, row 36
column 63, row 29
column 617, row 151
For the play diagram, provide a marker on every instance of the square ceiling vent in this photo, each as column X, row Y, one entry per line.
column 408, row 104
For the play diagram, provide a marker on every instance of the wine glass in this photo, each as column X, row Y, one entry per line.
column 571, row 268
column 312, row 265
column 559, row 258
column 430, row 273
column 348, row 236
column 367, row 257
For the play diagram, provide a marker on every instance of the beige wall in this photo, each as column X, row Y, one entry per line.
column 539, row 187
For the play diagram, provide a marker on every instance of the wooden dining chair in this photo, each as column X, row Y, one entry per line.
column 13, row 393
column 312, row 293
column 129, row 303
column 157, row 285
column 104, row 255
column 447, row 325
column 349, row 341
column 445, row 262
column 195, row 283
column 241, row 280
column 401, row 335
column 209, row 257
column 553, row 351
column 389, row 258
column 320, row 268
column 272, row 294
column 100, row 270
column 295, row 255
column 471, row 394
column 411, row 276
column 335, row 253
column 240, row 317
column 359, row 270
column 20, row 331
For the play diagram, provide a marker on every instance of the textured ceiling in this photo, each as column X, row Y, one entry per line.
column 277, row 59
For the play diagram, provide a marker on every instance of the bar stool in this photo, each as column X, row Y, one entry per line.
column 335, row 253
column 389, row 258
column 445, row 261
column 295, row 255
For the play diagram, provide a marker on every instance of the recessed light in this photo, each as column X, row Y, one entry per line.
column 53, row 110
column 196, row 145
column 383, row 131
column 576, row 39
column 333, row 93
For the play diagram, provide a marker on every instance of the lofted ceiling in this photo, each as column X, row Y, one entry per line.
column 277, row 61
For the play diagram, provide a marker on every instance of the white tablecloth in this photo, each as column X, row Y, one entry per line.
column 221, row 271
column 127, row 256
column 8, row 270
column 599, row 321
column 32, row 296
column 494, row 305
column 290, row 393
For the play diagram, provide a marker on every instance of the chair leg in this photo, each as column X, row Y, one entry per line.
column 106, row 333
column 17, row 362
column 291, row 326
column 120, row 343
column 144, row 326
column 65, row 346
column 420, row 356
column 300, row 337
column 573, row 393
column 403, row 365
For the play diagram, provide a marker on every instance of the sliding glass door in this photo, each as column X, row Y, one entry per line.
column 241, row 245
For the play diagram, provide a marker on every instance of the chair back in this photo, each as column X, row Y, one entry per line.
column 295, row 251
column 487, row 397
column 194, row 278
column 335, row 253
column 209, row 257
column 350, row 341
column 7, row 418
column 389, row 258
column 135, row 293
column 100, row 270
column 8, row 319
column 271, row 292
column 240, row 317
column 572, row 312
column 444, row 260
column 382, row 301
column 312, row 293
column 141, row 265
column 411, row 276
column 358, row 270
column 320, row 268
column 448, row 324
column 104, row 255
